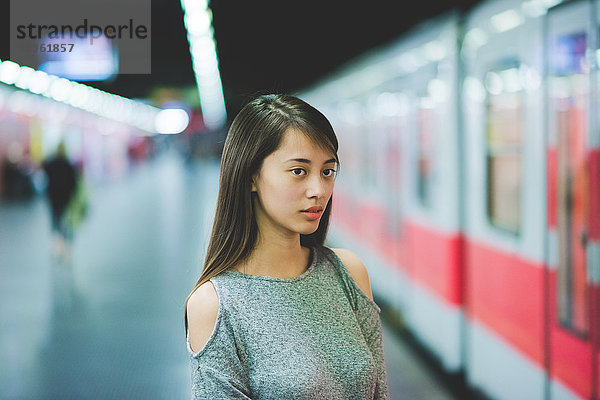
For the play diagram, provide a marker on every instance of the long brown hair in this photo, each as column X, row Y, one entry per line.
column 255, row 133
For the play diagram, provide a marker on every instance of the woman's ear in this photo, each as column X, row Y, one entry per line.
column 252, row 185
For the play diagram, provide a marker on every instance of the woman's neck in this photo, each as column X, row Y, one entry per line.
column 277, row 260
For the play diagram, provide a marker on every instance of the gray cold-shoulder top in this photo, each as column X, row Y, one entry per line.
column 314, row 336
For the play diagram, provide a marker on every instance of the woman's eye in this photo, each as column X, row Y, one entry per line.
column 331, row 172
column 295, row 171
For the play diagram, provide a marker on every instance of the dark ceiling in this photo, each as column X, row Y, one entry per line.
column 274, row 45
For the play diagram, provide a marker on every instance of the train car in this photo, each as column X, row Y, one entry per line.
column 503, row 259
column 573, row 200
column 470, row 186
column 397, row 194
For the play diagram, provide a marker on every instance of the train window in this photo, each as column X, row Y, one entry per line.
column 367, row 163
column 425, row 142
column 504, row 136
column 392, row 157
column 349, row 114
column 569, row 92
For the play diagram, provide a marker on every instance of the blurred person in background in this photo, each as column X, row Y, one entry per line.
column 16, row 180
column 276, row 314
column 62, row 184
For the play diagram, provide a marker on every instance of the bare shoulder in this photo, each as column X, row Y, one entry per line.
column 357, row 270
column 202, row 309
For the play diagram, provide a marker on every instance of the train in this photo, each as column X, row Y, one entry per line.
column 470, row 188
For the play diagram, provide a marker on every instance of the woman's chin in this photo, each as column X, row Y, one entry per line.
column 309, row 231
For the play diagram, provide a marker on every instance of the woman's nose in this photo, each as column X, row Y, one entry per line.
column 317, row 187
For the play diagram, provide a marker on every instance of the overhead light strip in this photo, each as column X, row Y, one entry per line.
column 75, row 94
column 198, row 23
column 111, row 106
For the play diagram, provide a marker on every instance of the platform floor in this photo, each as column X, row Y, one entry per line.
column 110, row 326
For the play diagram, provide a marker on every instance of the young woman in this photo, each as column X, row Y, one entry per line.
column 275, row 313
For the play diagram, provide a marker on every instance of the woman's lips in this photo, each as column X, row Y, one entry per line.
column 312, row 215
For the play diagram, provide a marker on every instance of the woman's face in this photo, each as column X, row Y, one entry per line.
column 295, row 177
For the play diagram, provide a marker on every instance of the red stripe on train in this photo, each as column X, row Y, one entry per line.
column 435, row 261
column 506, row 293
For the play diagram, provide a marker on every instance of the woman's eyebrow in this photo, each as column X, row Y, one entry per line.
column 307, row 161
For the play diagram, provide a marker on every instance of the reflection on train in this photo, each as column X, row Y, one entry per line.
column 470, row 183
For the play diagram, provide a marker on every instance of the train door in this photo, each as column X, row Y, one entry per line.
column 571, row 323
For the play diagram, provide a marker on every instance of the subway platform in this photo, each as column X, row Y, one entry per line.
column 110, row 325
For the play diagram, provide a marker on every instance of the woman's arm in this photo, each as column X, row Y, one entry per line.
column 202, row 310
column 369, row 317
column 357, row 270
column 217, row 371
